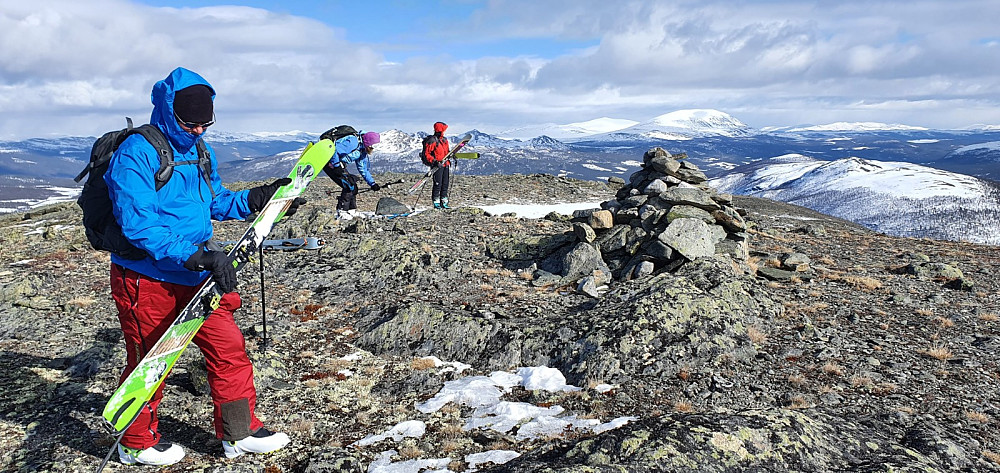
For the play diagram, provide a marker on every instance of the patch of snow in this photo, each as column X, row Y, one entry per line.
column 498, row 457
column 409, row 428
column 352, row 357
column 595, row 167
column 614, row 424
column 384, row 464
column 604, row 388
column 455, row 366
column 474, row 391
column 543, row 377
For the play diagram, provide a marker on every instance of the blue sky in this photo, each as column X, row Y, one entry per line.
column 406, row 29
column 70, row 67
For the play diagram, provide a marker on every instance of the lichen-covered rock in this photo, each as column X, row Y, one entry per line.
column 584, row 232
column 333, row 460
column 776, row 440
column 691, row 237
column 582, row 260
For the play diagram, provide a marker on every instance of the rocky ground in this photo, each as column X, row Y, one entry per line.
column 833, row 348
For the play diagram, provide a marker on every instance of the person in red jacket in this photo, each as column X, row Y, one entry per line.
column 434, row 152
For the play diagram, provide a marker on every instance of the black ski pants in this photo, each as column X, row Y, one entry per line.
column 348, row 187
column 441, row 177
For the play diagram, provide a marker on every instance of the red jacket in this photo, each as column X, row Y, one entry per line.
column 436, row 145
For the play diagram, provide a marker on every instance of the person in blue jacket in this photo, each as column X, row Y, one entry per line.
column 173, row 225
column 350, row 149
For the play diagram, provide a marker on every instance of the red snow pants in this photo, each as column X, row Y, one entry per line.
column 146, row 308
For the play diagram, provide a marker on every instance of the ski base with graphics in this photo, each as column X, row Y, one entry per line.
column 137, row 389
column 451, row 154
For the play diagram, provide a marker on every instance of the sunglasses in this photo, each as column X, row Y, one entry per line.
column 193, row 125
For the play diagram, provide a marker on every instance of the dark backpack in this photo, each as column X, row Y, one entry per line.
column 99, row 222
column 429, row 142
column 338, row 132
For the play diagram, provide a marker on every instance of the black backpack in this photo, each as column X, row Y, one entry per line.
column 429, row 140
column 338, row 132
column 99, row 222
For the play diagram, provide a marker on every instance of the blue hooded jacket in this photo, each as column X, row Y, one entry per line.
column 168, row 224
column 348, row 149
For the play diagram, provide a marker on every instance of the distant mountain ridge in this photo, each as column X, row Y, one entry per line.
column 39, row 170
column 895, row 198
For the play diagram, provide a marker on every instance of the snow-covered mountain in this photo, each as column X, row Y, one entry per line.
column 980, row 159
column 569, row 130
column 681, row 125
column 895, row 198
column 989, row 151
column 853, row 127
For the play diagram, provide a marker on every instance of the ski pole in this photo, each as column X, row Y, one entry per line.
column 263, row 310
column 387, row 184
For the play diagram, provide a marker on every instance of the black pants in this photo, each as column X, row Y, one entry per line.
column 348, row 187
column 441, row 177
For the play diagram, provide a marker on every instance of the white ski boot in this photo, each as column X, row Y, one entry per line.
column 261, row 441
column 161, row 454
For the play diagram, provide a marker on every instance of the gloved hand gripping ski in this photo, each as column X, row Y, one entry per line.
column 219, row 263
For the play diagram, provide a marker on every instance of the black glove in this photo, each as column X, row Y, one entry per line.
column 219, row 263
column 294, row 206
column 258, row 196
column 376, row 187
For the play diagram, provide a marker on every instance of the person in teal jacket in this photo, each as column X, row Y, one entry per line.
column 173, row 225
column 350, row 149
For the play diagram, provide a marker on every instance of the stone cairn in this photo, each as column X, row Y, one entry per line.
column 664, row 216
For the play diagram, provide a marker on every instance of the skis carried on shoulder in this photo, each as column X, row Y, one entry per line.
column 138, row 388
column 451, row 154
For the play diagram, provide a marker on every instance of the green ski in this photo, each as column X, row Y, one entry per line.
column 137, row 389
column 466, row 155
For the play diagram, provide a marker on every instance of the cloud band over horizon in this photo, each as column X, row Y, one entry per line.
column 70, row 68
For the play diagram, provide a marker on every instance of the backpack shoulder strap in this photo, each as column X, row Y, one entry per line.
column 155, row 137
column 205, row 163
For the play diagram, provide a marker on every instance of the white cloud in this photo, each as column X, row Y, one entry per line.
column 769, row 63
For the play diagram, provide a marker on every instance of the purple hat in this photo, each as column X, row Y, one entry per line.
column 369, row 139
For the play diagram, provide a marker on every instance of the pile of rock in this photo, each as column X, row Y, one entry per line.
column 663, row 217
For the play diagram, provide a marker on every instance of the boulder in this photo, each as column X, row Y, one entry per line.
column 582, row 260
column 601, row 219
column 584, row 232
column 690, row 196
column 692, row 238
column 390, row 206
